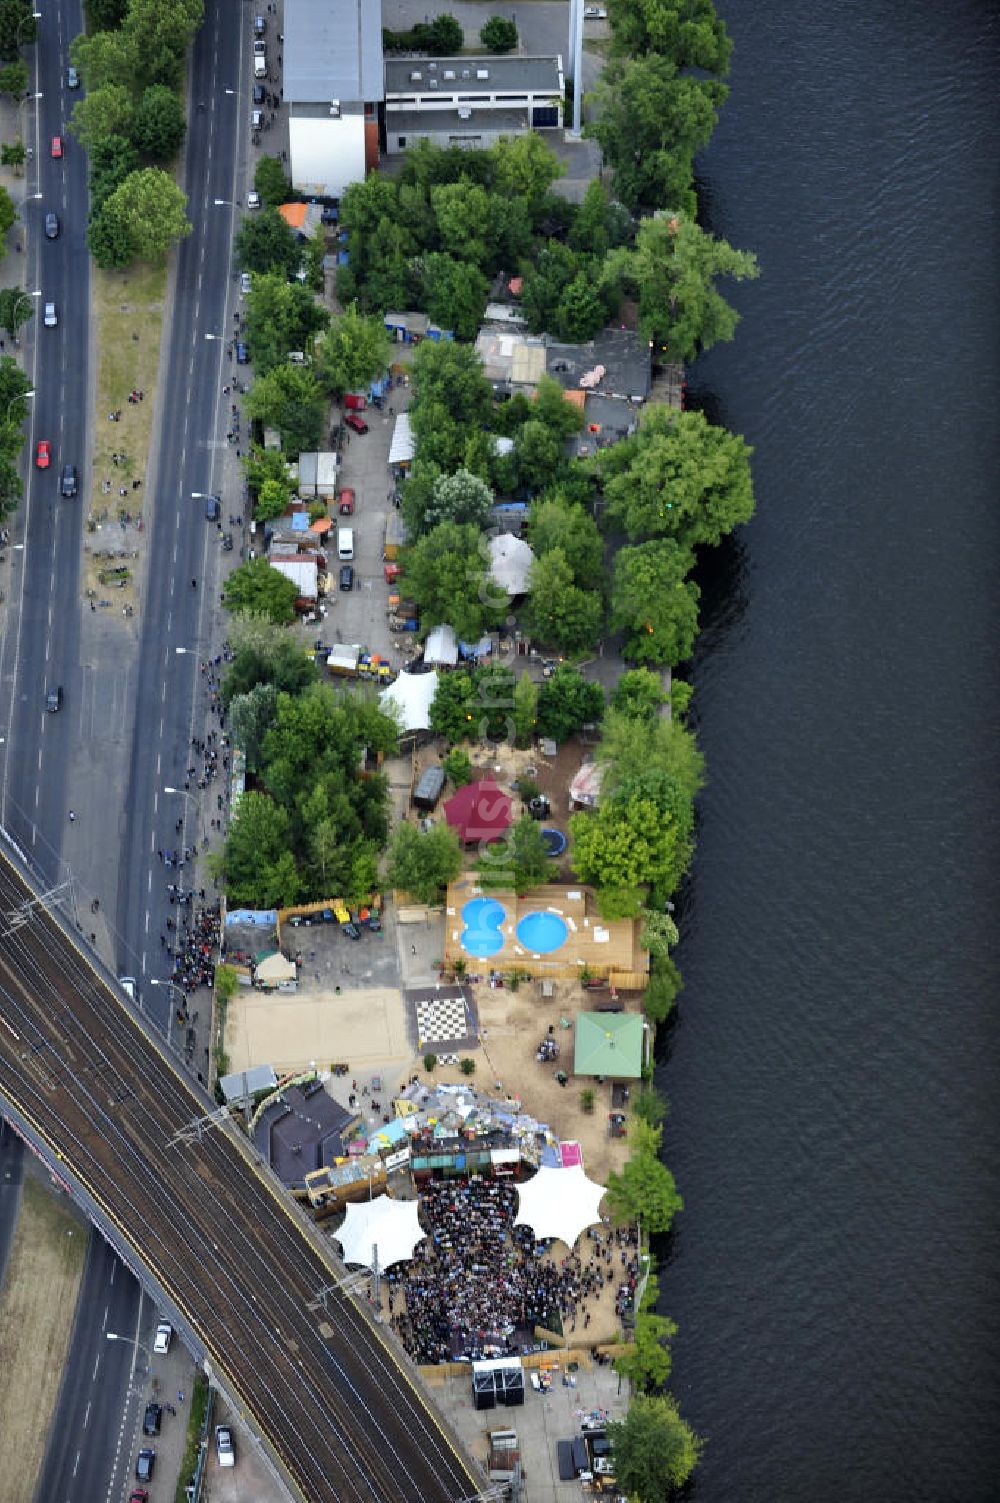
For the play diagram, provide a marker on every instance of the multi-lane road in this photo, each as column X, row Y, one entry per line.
column 244, row 1272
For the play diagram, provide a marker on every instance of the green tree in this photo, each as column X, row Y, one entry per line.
column 16, row 307
column 446, row 576
column 687, row 31
column 567, row 702
column 453, row 708
column 14, row 386
column 555, row 523
column 680, row 476
column 638, row 694
column 265, row 654
column 451, row 375
column 649, row 121
column 628, row 843
column 646, row 1361
column 272, row 500
column 161, row 32
column 651, row 1107
column 159, row 124
column 280, row 316
column 266, row 243
column 458, row 766
column 288, row 398
column 517, row 860
column 498, row 34
column 249, row 717
column 352, row 353
column 109, row 239
column 494, row 702
column 14, row 79
column 443, row 37
column 539, row 455
column 554, row 267
column 525, row 710
column 462, row 213
column 580, row 311
column 461, row 498
column 150, row 209
column 256, row 589
column 112, row 159
column 17, row 28
column 645, row 1189
column 654, row 1450
column 591, row 230
column 632, row 749
column 659, row 932
column 8, row 214
column 13, row 154
column 665, row 984
column 105, row 111
column 524, row 169
column 256, row 864
column 422, row 864
column 454, row 293
column 10, row 485
column 271, row 182
column 674, row 268
column 562, row 615
column 103, row 15
column 104, row 57
column 654, row 602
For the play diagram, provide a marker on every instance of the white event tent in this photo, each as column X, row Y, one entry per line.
column 389, row 1225
column 559, row 1203
column 412, row 695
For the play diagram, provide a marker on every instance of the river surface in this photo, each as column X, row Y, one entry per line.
column 835, row 1069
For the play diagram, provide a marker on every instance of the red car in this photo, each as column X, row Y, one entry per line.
column 353, row 421
column 138, row 1495
column 43, row 454
column 57, row 146
column 347, row 502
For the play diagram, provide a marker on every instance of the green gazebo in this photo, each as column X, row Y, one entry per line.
column 609, row 1044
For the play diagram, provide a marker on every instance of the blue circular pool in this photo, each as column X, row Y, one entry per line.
column 542, row 932
column 482, row 935
column 553, row 840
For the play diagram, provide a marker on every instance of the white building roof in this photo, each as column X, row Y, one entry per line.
column 412, row 695
column 441, row 647
column 511, row 559
column 403, row 445
column 332, row 50
column 303, row 572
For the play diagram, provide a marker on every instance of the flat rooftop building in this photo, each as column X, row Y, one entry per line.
column 470, row 101
column 332, row 82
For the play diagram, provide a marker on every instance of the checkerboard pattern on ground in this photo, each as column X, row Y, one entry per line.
column 440, row 1020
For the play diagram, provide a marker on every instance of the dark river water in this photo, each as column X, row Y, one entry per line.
column 835, row 1069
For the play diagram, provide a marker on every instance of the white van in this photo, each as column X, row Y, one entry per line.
column 345, row 543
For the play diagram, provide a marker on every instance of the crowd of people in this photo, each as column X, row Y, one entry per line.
column 480, row 1285
column 196, row 945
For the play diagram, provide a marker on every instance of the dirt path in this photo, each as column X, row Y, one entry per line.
column 37, row 1306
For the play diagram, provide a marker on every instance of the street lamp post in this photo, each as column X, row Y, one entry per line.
column 129, row 1341
column 184, row 793
column 21, row 397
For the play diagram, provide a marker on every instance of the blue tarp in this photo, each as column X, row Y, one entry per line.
column 259, row 916
column 300, row 521
column 378, row 388
column 480, row 649
column 342, row 258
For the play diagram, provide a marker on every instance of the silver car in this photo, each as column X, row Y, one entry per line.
column 50, row 317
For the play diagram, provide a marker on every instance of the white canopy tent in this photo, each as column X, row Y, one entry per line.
column 412, row 695
column 511, row 559
column 389, row 1225
column 559, row 1203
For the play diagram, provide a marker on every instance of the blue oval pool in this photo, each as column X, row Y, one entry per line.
column 482, row 935
column 542, row 932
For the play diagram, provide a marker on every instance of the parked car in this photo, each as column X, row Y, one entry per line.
column 347, row 576
column 213, row 508
column 51, row 226
column 43, row 454
column 347, row 502
column 72, row 78
column 151, row 1419
column 245, row 283
column 355, row 401
column 161, row 1342
column 49, row 316
column 253, row 200
column 224, row 1445
column 353, row 421
column 594, row 13
column 256, row 119
column 259, row 94
column 242, row 353
column 144, row 1465
column 54, row 699
column 57, row 146
column 259, row 26
column 138, row 1495
column 68, row 481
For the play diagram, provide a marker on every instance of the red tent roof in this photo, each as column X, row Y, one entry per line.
column 479, row 811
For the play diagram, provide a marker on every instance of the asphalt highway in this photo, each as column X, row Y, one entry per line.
column 321, row 1385
column 11, row 1179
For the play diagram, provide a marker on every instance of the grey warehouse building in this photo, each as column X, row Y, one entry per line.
column 470, row 101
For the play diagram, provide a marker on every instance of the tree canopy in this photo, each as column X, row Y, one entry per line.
column 423, row 863
column 518, row 860
column 461, row 498
column 266, row 243
column 679, row 476
column 654, row 602
column 567, row 702
column 446, row 574
column 654, row 1450
column 150, row 209
column 688, row 32
column 256, row 589
column 498, row 34
column 354, row 351
column 562, row 615
column 159, row 125
column 271, row 181
column 638, row 838
column 288, row 398
column 281, row 316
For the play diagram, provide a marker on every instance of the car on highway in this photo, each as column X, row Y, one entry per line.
column 152, row 1417
column 245, row 283
column 72, row 78
column 347, row 576
column 145, row 1462
column 69, row 481
column 57, row 146
column 43, row 454
column 49, row 316
column 138, row 1495
column 54, row 699
column 51, row 226
column 161, row 1342
column 224, row 1445
column 353, row 421
column 242, row 353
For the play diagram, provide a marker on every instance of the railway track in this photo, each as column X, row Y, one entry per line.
column 319, row 1384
